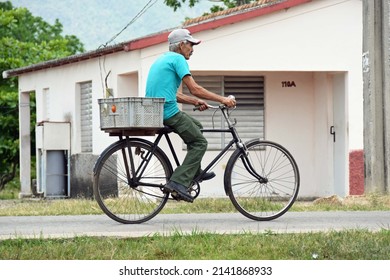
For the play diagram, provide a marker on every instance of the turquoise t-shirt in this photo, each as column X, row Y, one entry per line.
column 164, row 78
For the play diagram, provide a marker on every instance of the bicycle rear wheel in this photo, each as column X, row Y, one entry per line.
column 129, row 179
column 258, row 199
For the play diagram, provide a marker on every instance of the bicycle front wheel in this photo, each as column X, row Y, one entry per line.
column 129, row 180
column 264, row 182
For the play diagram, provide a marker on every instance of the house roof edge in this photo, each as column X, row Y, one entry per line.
column 234, row 16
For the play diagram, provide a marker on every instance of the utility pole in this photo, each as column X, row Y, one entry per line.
column 376, row 93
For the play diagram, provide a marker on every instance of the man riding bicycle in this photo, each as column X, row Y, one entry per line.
column 164, row 79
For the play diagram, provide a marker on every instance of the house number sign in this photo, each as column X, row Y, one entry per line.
column 288, row 84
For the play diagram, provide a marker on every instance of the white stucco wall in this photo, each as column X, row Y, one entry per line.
column 304, row 44
column 318, row 36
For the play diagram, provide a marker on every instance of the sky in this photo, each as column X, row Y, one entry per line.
column 96, row 22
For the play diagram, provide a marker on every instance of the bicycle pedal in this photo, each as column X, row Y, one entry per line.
column 175, row 196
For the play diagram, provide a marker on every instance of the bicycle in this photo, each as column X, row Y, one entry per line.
column 261, row 177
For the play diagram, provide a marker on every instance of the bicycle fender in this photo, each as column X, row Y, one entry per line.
column 226, row 176
column 237, row 151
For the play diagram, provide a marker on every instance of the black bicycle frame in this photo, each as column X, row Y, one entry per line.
column 134, row 180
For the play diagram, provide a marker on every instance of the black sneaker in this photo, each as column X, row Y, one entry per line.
column 178, row 191
column 207, row 176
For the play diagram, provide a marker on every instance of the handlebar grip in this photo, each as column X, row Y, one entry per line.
column 196, row 107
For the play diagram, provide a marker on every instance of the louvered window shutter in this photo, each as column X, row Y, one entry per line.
column 249, row 93
column 86, row 116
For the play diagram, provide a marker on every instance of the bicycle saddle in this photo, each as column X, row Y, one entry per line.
column 165, row 129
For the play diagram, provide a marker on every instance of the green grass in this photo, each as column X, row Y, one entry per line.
column 37, row 207
column 345, row 245
column 334, row 245
column 11, row 190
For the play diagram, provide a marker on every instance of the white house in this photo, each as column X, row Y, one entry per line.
column 304, row 56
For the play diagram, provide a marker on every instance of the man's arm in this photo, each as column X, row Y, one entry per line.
column 182, row 98
column 203, row 93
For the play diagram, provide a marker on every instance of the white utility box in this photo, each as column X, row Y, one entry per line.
column 53, row 153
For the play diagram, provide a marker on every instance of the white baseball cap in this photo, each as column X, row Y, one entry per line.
column 179, row 35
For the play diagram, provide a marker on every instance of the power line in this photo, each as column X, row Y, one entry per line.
column 140, row 13
column 102, row 67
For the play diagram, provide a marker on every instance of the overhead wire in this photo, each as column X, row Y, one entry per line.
column 137, row 16
column 102, row 67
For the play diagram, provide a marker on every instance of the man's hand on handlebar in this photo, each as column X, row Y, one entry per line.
column 201, row 105
column 229, row 102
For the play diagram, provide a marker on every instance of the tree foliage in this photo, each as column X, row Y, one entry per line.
column 24, row 40
column 177, row 4
column 9, row 138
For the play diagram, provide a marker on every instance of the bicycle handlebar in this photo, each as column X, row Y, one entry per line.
column 209, row 106
column 220, row 106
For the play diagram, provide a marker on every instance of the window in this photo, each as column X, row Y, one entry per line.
column 86, row 116
column 249, row 114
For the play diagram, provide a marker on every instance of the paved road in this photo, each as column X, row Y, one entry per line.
column 102, row 225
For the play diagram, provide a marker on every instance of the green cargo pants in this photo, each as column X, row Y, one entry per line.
column 188, row 128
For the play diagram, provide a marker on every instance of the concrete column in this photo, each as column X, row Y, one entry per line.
column 386, row 87
column 375, row 93
column 24, row 145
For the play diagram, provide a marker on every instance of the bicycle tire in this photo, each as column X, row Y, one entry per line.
column 262, row 201
column 118, row 196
